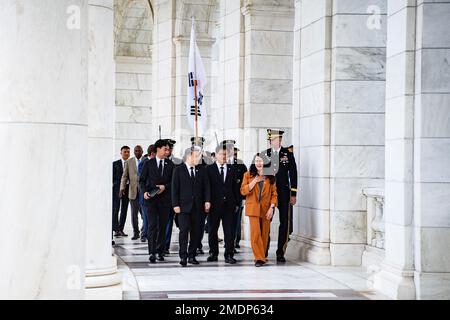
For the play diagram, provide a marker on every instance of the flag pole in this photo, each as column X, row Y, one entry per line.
column 195, row 81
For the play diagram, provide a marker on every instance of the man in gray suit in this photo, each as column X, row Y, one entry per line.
column 130, row 180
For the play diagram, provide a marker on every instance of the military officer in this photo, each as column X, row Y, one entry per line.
column 172, row 216
column 284, row 168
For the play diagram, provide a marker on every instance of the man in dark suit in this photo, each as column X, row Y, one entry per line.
column 190, row 200
column 284, row 168
column 157, row 174
column 198, row 143
column 224, row 205
column 120, row 201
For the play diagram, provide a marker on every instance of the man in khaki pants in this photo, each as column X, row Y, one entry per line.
column 130, row 180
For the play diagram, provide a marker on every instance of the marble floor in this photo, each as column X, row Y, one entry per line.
column 293, row 280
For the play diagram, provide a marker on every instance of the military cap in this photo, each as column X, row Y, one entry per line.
column 272, row 134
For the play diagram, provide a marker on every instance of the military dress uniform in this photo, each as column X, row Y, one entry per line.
column 284, row 167
column 241, row 169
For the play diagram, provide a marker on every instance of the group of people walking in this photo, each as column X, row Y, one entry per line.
column 205, row 187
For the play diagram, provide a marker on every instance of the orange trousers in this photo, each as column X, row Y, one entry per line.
column 259, row 237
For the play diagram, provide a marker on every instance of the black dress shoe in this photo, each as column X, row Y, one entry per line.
column 166, row 252
column 193, row 261
column 123, row 234
column 237, row 246
column 143, row 239
column 160, row 257
column 281, row 259
column 113, row 243
column 230, row 260
column 117, row 234
column 200, row 251
column 183, row 262
column 259, row 263
column 152, row 258
column 212, row 258
column 135, row 237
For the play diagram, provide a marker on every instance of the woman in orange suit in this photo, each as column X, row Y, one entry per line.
column 261, row 199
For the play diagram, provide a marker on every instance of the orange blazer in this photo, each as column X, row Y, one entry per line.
column 254, row 208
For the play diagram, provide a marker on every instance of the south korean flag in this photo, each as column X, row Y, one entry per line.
column 196, row 78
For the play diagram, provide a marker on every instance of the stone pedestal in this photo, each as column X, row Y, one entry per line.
column 43, row 134
column 102, row 278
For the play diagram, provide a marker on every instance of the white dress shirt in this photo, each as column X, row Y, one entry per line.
column 224, row 170
column 157, row 163
column 189, row 169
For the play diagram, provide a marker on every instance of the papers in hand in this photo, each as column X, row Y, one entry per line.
column 153, row 192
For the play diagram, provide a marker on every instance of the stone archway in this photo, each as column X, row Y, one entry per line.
column 133, row 33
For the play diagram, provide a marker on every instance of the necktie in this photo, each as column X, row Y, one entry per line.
column 222, row 174
column 160, row 168
column 192, row 173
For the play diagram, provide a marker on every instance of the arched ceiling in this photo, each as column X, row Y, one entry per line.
column 206, row 15
column 133, row 28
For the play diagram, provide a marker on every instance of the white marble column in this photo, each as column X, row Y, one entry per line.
column 268, row 72
column 417, row 263
column 312, row 71
column 227, row 113
column 357, row 121
column 43, row 133
column 102, row 277
column 339, row 126
column 267, row 91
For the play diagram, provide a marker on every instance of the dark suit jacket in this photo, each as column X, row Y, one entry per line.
column 240, row 169
column 117, row 176
column 150, row 178
column 185, row 192
column 227, row 193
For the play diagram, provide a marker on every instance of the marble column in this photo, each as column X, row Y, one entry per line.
column 268, row 72
column 417, row 263
column 339, row 123
column 267, row 79
column 102, row 278
column 312, row 90
column 227, row 113
column 43, row 132
column 357, row 121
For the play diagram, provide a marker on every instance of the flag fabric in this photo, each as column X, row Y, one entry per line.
column 196, row 73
